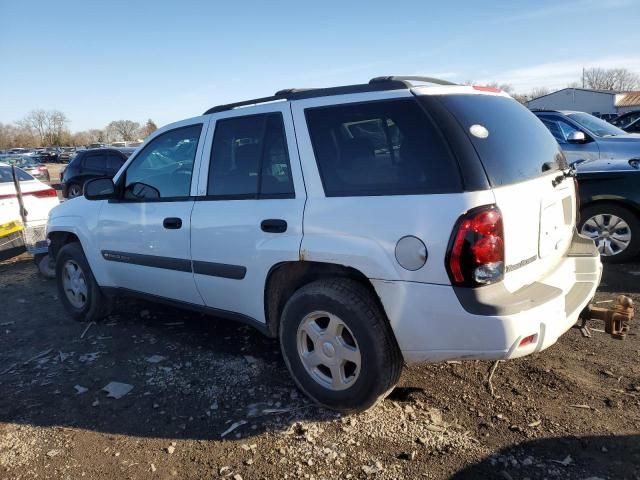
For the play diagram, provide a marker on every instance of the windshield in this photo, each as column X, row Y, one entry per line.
column 595, row 125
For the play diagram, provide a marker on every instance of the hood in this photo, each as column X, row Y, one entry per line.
column 608, row 165
column 633, row 138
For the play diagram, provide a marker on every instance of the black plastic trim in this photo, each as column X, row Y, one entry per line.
column 154, row 261
column 234, row 272
column 223, row 270
column 216, row 312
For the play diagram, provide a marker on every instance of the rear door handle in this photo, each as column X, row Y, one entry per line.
column 273, row 225
column 172, row 223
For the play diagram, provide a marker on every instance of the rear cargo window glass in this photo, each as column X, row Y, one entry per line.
column 518, row 146
column 380, row 148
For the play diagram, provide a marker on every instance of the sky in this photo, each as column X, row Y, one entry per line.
column 99, row 61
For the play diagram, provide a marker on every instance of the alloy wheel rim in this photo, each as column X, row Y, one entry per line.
column 328, row 350
column 74, row 284
column 610, row 233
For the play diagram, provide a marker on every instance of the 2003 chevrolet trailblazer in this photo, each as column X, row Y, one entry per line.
column 365, row 226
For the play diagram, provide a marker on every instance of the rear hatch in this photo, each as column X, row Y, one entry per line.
column 524, row 166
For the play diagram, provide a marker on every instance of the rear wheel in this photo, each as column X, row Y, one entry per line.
column 77, row 288
column 338, row 345
column 614, row 229
column 74, row 190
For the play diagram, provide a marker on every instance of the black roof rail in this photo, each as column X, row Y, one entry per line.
column 410, row 78
column 374, row 85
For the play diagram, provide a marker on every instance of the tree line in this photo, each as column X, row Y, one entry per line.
column 42, row 128
column 50, row 128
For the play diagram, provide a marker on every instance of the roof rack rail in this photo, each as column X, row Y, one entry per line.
column 409, row 78
column 374, row 85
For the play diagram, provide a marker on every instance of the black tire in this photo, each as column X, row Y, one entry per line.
column 381, row 359
column 625, row 214
column 74, row 187
column 96, row 305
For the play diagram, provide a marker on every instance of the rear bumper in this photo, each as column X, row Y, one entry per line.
column 437, row 322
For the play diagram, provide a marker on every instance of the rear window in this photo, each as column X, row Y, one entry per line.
column 513, row 145
column 380, row 148
column 7, row 177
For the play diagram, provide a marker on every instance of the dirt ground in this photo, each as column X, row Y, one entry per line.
column 212, row 399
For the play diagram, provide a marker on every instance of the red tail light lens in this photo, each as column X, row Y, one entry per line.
column 476, row 249
column 49, row 192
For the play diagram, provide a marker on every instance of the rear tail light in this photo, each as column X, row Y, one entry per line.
column 49, row 192
column 476, row 249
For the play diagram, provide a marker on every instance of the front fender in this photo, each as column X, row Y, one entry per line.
column 80, row 218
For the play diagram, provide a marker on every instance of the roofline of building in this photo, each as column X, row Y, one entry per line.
column 605, row 92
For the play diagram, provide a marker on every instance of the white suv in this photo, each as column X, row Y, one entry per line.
column 364, row 226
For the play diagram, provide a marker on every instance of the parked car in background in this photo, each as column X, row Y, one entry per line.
column 24, row 151
column 629, row 122
column 607, row 117
column 97, row 145
column 610, row 207
column 365, row 226
column 91, row 163
column 38, row 199
column 585, row 137
column 28, row 163
column 66, row 154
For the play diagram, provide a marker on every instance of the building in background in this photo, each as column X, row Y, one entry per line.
column 597, row 102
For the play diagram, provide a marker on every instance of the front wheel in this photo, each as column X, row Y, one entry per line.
column 614, row 229
column 338, row 345
column 77, row 288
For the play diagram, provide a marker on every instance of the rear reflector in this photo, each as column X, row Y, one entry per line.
column 486, row 89
column 527, row 340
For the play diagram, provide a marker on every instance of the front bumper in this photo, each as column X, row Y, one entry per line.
column 437, row 322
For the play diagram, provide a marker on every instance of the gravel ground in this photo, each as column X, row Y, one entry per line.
column 212, row 399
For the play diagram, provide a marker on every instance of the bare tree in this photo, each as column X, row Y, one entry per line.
column 38, row 121
column 51, row 126
column 124, row 129
column 148, row 129
column 614, row 79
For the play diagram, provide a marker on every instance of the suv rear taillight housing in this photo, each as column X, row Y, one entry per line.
column 476, row 249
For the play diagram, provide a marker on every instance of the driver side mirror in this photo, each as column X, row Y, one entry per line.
column 577, row 137
column 99, row 189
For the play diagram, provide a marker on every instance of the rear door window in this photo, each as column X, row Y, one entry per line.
column 114, row 162
column 249, row 158
column 512, row 143
column 380, row 148
column 95, row 162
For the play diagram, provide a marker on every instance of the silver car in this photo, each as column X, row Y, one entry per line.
column 585, row 137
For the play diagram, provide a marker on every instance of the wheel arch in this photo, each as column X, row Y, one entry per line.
column 285, row 278
column 58, row 239
column 631, row 205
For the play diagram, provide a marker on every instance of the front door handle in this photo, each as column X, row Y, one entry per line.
column 273, row 225
column 172, row 223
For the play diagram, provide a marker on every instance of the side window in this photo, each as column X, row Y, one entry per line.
column 380, row 148
column 558, row 128
column 249, row 158
column 165, row 165
column 553, row 126
column 114, row 162
column 95, row 162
